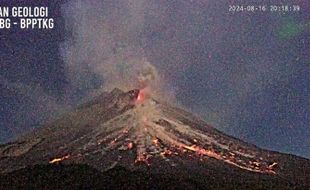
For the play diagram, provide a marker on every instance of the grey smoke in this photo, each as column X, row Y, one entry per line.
column 104, row 41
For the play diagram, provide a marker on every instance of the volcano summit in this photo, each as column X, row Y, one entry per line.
column 136, row 132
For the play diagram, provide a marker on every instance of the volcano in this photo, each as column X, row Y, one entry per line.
column 137, row 133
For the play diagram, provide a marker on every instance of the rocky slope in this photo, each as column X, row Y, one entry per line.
column 134, row 131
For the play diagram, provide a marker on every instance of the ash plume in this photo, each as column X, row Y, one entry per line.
column 103, row 41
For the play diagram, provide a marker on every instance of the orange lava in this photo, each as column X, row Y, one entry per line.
column 166, row 153
column 142, row 158
column 155, row 142
column 254, row 166
column 141, row 96
column 130, row 145
column 202, row 151
column 271, row 166
column 56, row 160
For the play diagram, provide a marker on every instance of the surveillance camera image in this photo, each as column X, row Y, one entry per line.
column 155, row 94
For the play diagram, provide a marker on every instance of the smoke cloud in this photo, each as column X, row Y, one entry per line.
column 103, row 44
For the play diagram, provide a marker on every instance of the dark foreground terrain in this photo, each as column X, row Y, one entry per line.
column 60, row 176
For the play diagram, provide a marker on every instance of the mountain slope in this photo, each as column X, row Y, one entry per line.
column 132, row 130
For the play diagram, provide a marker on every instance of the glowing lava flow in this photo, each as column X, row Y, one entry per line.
column 56, row 160
column 141, row 96
column 152, row 130
column 143, row 158
column 209, row 153
column 130, row 145
column 202, row 151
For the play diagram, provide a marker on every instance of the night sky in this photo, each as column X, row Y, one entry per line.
column 247, row 74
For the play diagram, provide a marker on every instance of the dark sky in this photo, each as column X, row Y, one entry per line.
column 247, row 74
